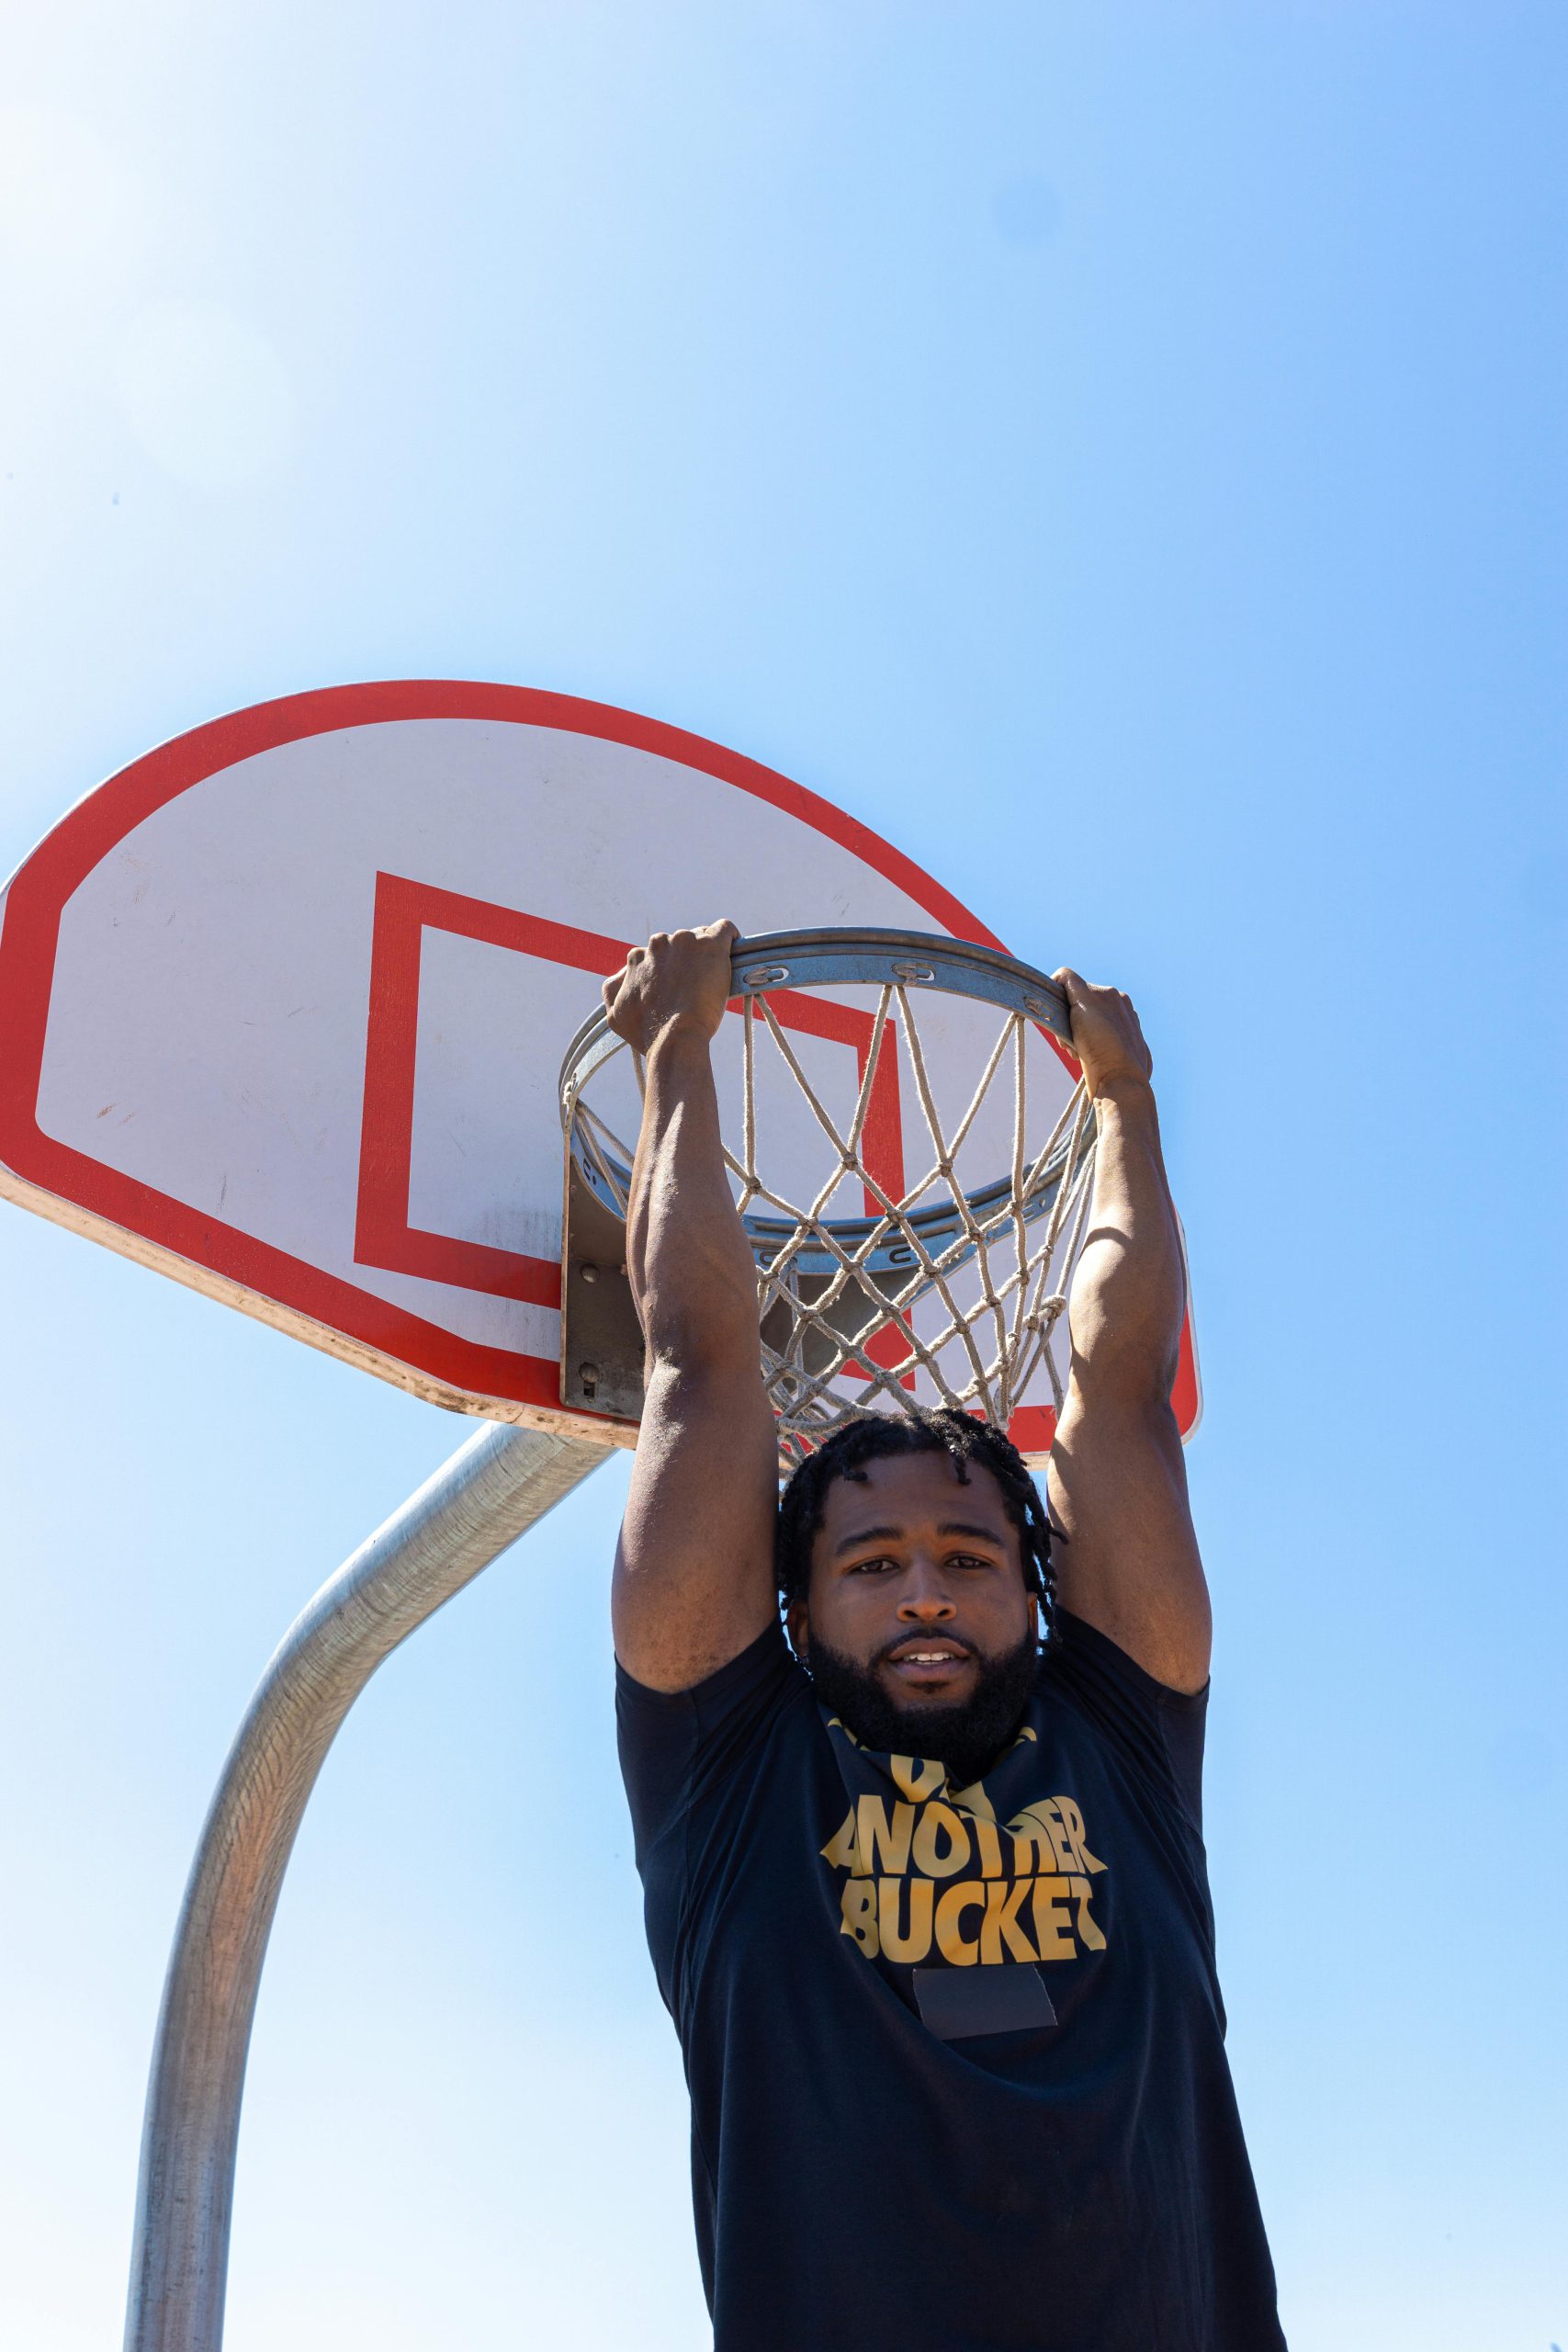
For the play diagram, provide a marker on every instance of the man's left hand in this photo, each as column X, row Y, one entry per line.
column 1107, row 1038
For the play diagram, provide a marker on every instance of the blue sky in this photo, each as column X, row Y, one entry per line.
column 1118, row 454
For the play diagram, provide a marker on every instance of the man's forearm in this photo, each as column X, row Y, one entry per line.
column 1130, row 1293
column 691, row 1267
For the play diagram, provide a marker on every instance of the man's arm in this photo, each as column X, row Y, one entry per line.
column 694, row 1582
column 1118, row 1487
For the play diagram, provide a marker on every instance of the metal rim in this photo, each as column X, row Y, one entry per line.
column 848, row 956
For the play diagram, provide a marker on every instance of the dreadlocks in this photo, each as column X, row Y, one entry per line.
column 964, row 1440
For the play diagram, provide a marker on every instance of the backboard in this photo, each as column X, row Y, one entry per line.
column 284, row 1004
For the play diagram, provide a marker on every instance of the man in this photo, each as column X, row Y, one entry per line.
column 926, row 1892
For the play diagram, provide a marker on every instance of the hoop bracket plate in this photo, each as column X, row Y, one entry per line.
column 602, row 1352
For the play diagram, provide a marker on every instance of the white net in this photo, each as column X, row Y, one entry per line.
column 950, row 1288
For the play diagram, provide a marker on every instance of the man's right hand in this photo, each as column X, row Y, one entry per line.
column 694, row 1583
column 680, row 976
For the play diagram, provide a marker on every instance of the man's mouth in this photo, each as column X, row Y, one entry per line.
column 927, row 1661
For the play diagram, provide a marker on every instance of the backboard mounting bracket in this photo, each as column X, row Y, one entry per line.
column 600, row 1339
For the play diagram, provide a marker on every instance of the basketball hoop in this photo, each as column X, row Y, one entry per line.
column 949, row 1288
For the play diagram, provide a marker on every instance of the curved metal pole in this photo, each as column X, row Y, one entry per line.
column 491, row 1490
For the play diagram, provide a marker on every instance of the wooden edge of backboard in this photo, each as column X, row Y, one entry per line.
column 364, row 1358
column 1189, row 1374
column 295, row 1326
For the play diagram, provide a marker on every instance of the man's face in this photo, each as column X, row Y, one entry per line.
column 917, row 1608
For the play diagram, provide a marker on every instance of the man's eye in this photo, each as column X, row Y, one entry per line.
column 970, row 1560
column 872, row 1567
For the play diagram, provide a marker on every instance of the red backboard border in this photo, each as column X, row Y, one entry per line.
column 217, row 1258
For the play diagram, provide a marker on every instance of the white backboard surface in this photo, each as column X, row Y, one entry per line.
column 283, row 1004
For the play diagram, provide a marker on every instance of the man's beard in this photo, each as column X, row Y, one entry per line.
column 967, row 1737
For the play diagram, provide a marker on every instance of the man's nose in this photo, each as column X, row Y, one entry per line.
column 925, row 1599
